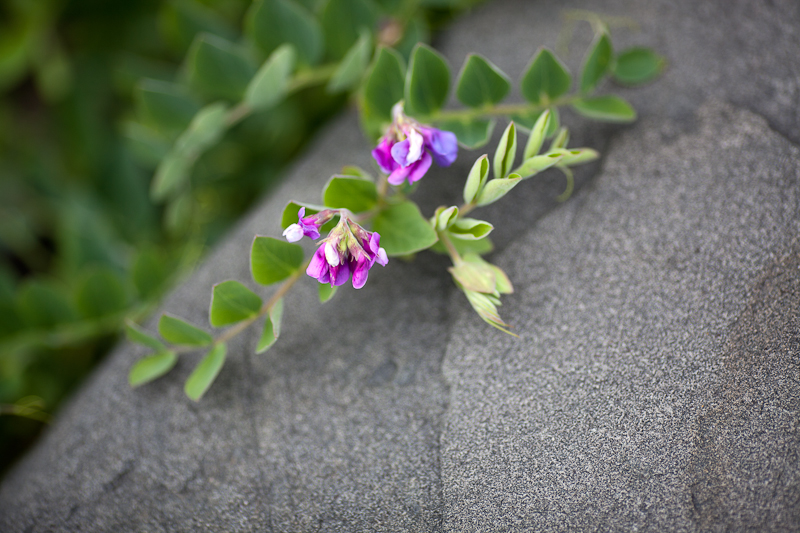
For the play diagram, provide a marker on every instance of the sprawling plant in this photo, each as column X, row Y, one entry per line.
column 364, row 220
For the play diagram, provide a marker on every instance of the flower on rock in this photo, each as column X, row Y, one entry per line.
column 407, row 149
column 348, row 249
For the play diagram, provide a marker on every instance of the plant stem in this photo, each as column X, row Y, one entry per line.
column 496, row 110
column 300, row 81
column 308, row 78
column 450, row 247
column 466, row 208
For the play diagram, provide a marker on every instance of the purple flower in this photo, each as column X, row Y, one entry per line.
column 308, row 226
column 348, row 249
column 408, row 148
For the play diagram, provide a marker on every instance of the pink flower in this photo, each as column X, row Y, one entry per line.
column 407, row 149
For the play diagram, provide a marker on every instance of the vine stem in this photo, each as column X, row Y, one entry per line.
column 450, row 247
column 465, row 208
column 300, row 81
column 497, row 110
column 233, row 331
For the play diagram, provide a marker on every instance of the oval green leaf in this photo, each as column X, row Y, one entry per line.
column 171, row 175
column 217, row 68
column 269, row 85
column 506, row 152
column 545, row 79
column 273, row 260
column 427, row 81
column 481, row 83
column 272, row 23
column 356, row 194
column 497, row 188
column 177, row 331
column 350, row 71
column 638, row 65
column 534, row 165
column 165, row 105
column 597, row 63
column 206, row 128
column 272, row 327
column 474, row 276
column 232, row 302
column 384, row 85
column 151, row 367
column 205, row 372
column 139, row 336
column 342, row 22
column 100, row 292
column 326, row 292
column 605, row 108
column 476, row 179
column 44, row 304
column 403, row 229
column 537, row 135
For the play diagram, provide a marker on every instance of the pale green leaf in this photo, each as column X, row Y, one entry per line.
column 205, row 372
column 177, row 331
column 403, row 229
column 273, row 260
column 351, row 69
column 139, row 336
column 356, row 194
column 481, row 83
column 269, row 85
column 476, row 179
column 605, row 108
column 232, row 302
column 597, row 62
column 151, row 367
column 545, row 79
column 506, row 152
column 272, row 327
column 497, row 188
column 638, row 65
column 427, row 81
column 272, row 23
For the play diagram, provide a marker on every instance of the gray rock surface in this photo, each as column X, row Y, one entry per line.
column 655, row 384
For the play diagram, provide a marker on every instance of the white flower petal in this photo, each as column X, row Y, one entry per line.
column 293, row 233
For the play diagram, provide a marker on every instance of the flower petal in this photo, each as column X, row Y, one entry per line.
column 340, row 274
column 400, row 152
column 383, row 155
column 360, row 274
column 331, row 254
column 317, row 266
column 443, row 145
column 418, row 169
column 293, row 233
column 399, row 175
column 381, row 258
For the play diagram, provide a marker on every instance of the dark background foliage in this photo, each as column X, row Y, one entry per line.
column 93, row 94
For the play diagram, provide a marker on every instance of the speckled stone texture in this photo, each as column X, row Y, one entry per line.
column 655, row 385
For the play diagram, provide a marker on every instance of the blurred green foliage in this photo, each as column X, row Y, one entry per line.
column 93, row 96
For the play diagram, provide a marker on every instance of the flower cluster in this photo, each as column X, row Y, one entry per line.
column 407, row 149
column 348, row 248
